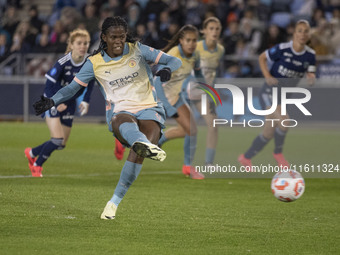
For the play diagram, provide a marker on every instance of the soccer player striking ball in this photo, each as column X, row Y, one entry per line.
column 120, row 65
column 182, row 45
column 60, row 117
column 291, row 61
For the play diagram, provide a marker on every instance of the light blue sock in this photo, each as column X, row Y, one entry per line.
column 131, row 133
column 209, row 155
column 128, row 175
column 189, row 149
column 162, row 140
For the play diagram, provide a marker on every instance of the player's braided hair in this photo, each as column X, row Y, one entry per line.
column 116, row 21
column 179, row 35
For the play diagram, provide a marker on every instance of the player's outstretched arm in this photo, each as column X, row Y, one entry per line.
column 170, row 62
column 158, row 57
column 61, row 96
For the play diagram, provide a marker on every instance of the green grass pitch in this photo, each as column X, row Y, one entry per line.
column 163, row 212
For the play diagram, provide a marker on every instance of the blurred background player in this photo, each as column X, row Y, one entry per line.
column 120, row 65
column 211, row 53
column 182, row 45
column 59, row 118
column 289, row 63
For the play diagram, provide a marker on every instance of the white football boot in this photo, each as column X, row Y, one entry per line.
column 148, row 150
column 109, row 212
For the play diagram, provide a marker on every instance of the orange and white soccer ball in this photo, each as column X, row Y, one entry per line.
column 287, row 186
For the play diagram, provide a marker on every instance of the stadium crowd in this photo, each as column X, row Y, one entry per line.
column 248, row 26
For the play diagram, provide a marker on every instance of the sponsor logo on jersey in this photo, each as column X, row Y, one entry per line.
column 285, row 72
column 123, row 81
column 297, row 63
column 286, row 54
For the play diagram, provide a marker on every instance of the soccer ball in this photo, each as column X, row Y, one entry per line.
column 288, row 185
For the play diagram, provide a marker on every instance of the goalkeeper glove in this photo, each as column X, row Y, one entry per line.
column 43, row 105
column 83, row 108
column 164, row 74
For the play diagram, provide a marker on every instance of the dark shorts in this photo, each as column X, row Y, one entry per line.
column 66, row 117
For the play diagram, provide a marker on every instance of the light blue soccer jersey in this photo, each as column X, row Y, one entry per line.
column 173, row 87
column 210, row 60
column 126, row 81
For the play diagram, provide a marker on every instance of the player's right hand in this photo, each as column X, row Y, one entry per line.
column 43, row 105
column 271, row 81
column 310, row 79
column 84, row 108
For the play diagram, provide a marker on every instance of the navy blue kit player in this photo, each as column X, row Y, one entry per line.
column 288, row 62
column 60, row 117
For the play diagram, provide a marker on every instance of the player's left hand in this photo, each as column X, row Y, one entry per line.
column 310, row 78
column 61, row 107
column 43, row 105
column 164, row 74
column 84, row 108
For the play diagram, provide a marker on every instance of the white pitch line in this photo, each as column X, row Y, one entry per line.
column 88, row 175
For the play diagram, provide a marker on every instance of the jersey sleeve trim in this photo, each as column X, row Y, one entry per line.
column 50, row 78
column 158, row 57
column 267, row 55
column 80, row 82
column 311, row 69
